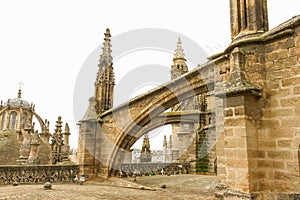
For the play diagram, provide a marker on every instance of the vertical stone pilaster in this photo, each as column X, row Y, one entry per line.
column 86, row 149
column 238, row 139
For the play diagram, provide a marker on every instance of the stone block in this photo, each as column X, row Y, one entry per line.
column 239, row 110
column 279, row 92
column 273, row 84
column 285, row 63
column 241, row 153
column 281, row 132
column 282, row 175
column 270, row 123
column 235, row 121
column 292, row 101
column 295, row 70
column 256, row 153
column 279, row 154
column 290, row 81
column 230, row 153
column 281, row 112
column 231, row 174
column 295, row 51
column 259, row 174
column 273, row 103
column 266, row 143
column 296, row 90
column 286, row 43
column 277, row 55
column 293, row 121
column 228, row 132
column 285, row 143
column 271, row 47
column 240, row 132
column 297, row 41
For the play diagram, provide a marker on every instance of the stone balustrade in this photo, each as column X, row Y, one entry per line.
column 38, row 174
column 153, row 169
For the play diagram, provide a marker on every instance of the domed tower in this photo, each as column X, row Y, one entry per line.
column 16, row 113
column 23, row 144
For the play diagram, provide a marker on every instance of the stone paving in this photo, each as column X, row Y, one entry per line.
column 177, row 187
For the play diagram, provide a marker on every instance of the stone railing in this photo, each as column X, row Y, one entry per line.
column 153, row 169
column 38, row 174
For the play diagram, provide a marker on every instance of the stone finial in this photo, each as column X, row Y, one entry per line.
column 106, row 57
column 170, row 142
column 165, row 141
column 66, row 134
column 1, row 104
column 58, row 125
column 8, row 103
column 67, row 128
column 179, row 53
column 19, row 93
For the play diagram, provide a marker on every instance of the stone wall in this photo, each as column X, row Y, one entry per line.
column 278, row 135
column 258, row 152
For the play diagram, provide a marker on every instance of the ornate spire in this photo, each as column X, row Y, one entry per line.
column 105, row 81
column 179, row 53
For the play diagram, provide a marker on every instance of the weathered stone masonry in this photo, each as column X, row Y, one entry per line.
column 258, row 149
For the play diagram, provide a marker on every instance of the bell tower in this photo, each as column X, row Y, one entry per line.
column 248, row 17
column 105, row 81
column 179, row 66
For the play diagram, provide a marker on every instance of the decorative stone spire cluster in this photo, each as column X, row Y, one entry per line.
column 146, row 155
column 146, row 144
column 105, row 81
column 60, row 143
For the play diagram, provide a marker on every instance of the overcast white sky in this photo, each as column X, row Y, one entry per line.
column 45, row 43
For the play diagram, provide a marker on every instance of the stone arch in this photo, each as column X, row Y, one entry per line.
column 169, row 95
column 41, row 122
column 23, row 119
column 3, row 122
column 164, row 119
